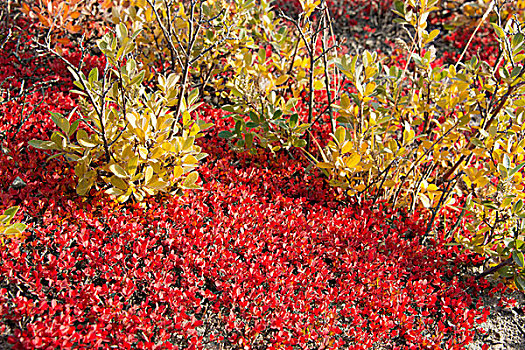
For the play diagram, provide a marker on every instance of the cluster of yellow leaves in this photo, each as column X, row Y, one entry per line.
column 7, row 228
column 136, row 145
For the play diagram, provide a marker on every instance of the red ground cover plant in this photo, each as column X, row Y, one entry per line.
column 264, row 257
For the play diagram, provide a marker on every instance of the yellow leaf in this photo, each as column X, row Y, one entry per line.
column 177, row 172
column 345, row 101
column 123, row 198
column 158, row 184
column 194, row 130
column 482, row 181
column 148, row 174
column 114, row 191
column 432, row 188
column 318, row 85
column 424, row 200
column 138, row 195
column 186, row 118
column 282, row 79
column 143, row 152
column 340, row 135
column 189, row 159
column 158, row 152
column 132, row 165
column 353, row 160
column 347, row 147
column 370, row 87
column 324, row 165
column 389, row 183
column 83, row 139
column 190, row 179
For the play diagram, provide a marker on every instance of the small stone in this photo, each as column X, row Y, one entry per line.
column 18, row 183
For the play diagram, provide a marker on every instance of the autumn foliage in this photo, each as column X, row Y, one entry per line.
column 216, row 184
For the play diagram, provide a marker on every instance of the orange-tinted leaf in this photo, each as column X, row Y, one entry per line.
column 63, row 41
column 43, row 20
column 75, row 29
column 107, row 4
column 25, row 8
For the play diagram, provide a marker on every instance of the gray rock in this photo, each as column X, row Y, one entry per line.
column 18, row 183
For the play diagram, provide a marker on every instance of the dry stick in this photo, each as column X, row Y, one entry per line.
column 311, row 53
column 494, row 268
column 103, row 112
column 327, row 76
column 310, row 48
column 442, row 199
column 167, row 35
column 192, row 37
column 485, row 15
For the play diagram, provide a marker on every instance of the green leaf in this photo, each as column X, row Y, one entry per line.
column 248, row 140
column 499, row 31
column 61, row 122
column 519, row 282
column 294, row 118
column 254, row 117
column 225, row 134
column 506, row 271
column 74, row 127
column 517, row 256
column 11, row 211
column 516, row 169
column 516, row 208
column 137, row 79
column 93, row 76
column 192, row 97
column 299, row 143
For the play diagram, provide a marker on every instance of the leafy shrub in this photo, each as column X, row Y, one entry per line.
column 427, row 136
column 135, row 144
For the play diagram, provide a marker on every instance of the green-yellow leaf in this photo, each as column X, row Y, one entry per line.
column 84, row 185
column 47, row 145
column 191, row 179
column 83, row 139
column 118, row 170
